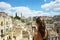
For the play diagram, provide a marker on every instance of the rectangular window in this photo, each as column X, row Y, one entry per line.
column 2, row 31
column 1, row 23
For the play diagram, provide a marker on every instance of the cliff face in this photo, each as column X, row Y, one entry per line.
column 3, row 14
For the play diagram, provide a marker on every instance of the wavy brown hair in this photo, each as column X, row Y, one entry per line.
column 41, row 28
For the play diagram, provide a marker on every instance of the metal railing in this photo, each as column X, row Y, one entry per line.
column 54, row 38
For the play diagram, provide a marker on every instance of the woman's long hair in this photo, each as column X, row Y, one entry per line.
column 41, row 28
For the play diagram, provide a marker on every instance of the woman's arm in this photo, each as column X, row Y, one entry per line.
column 46, row 34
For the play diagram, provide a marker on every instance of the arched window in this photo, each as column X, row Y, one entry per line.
column 2, row 35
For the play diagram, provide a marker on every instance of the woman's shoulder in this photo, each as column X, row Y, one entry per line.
column 35, row 33
column 37, row 36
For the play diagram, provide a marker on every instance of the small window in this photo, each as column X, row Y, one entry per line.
column 2, row 35
column 2, row 31
column 1, row 23
column 9, row 37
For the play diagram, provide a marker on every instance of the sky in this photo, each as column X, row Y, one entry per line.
column 30, row 7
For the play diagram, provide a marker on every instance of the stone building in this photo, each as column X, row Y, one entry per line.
column 5, row 25
column 57, row 23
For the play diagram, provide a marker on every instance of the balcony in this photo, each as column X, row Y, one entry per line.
column 54, row 38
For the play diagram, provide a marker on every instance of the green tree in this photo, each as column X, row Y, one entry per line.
column 17, row 17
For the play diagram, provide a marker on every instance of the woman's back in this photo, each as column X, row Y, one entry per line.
column 37, row 36
column 40, row 28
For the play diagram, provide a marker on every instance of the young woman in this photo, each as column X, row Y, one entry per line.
column 40, row 33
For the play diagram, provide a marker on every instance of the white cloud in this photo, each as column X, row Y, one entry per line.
column 49, row 5
column 4, row 5
column 9, row 12
column 57, row 0
column 26, row 11
column 54, row 5
column 44, row 0
column 23, row 10
column 41, row 13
